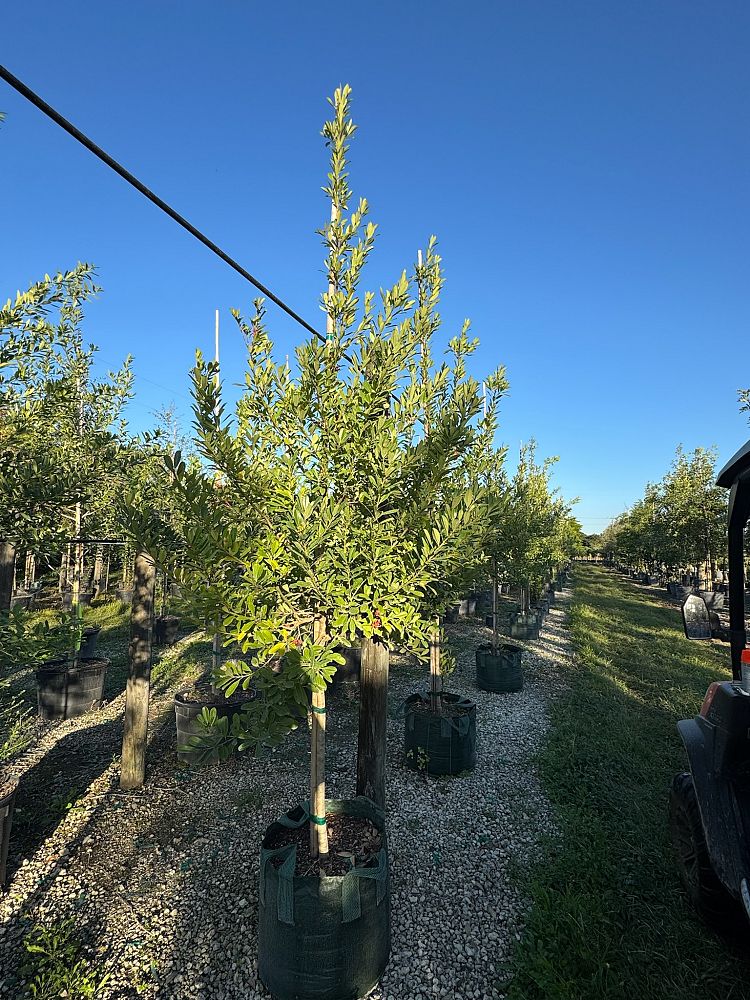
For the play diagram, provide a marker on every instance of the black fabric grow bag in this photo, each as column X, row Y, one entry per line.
column 440, row 744
column 323, row 938
column 525, row 627
column 500, row 672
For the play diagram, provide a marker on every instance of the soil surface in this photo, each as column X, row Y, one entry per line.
column 352, row 840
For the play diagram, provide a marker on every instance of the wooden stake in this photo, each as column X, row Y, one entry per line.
column 133, row 768
column 373, row 716
column 318, row 831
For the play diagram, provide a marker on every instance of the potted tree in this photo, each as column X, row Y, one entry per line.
column 69, row 684
column 317, row 526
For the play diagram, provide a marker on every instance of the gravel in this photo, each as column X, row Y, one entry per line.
column 163, row 881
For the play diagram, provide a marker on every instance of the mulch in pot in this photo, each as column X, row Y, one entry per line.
column 351, row 839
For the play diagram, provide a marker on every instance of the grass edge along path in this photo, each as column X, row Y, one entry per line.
column 609, row 918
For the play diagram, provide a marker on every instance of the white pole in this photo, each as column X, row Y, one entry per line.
column 216, row 345
column 216, row 644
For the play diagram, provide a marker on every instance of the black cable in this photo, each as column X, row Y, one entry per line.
column 58, row 119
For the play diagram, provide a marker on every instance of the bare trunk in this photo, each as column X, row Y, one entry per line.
column 98, row 569
column 7, row 562
column 29, row 570
column 133, row 768
column 373, row 713
column 64, row 564
column 494, row 609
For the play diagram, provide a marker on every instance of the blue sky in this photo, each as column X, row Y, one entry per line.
column 583, row 164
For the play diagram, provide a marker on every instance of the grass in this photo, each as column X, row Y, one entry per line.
column 609, row 918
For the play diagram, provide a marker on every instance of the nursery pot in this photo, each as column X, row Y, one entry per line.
column 322, row 937
column 88, row 642
column 21, row 601
column 443, row 743
column 7, row 803
column 451, row 615
column 188, row 707
column 65, row 691
column 499, row 671
column 524, row 627
column 165, row 630
column 84, row 599
column 126, row 596
column 348, row 672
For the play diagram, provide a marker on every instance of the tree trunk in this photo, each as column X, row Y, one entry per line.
column 98, row 569
column 29, row 570
column 7, row 562
column 494, row 608
column 133, row 768
column 64, row 563
column 373, row 711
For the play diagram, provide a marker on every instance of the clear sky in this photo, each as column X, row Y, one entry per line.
column 585, row 166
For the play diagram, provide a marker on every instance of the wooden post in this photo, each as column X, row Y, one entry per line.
column 106, row 572
column 373, row 714
column 7, row 564
column 133, row 768
column 494, row 607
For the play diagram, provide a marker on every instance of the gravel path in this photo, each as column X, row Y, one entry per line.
column 163, row 882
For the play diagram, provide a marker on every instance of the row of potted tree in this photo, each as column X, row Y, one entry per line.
column 345, row 504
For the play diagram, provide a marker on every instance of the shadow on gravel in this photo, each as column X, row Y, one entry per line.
column 51, row 788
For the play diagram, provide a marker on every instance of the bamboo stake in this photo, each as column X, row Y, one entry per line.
column 436, row 680
column 318, row 829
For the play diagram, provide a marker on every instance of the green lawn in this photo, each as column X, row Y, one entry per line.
column 609, row 918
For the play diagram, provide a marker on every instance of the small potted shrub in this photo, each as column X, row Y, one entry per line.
column 205, row 709
column 166, row 626
column 68, row 684
column 498, row 663
column 440, row 727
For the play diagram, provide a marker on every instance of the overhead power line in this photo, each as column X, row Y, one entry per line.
column 71, row 129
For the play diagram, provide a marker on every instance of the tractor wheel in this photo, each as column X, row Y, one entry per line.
column 709, row 897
